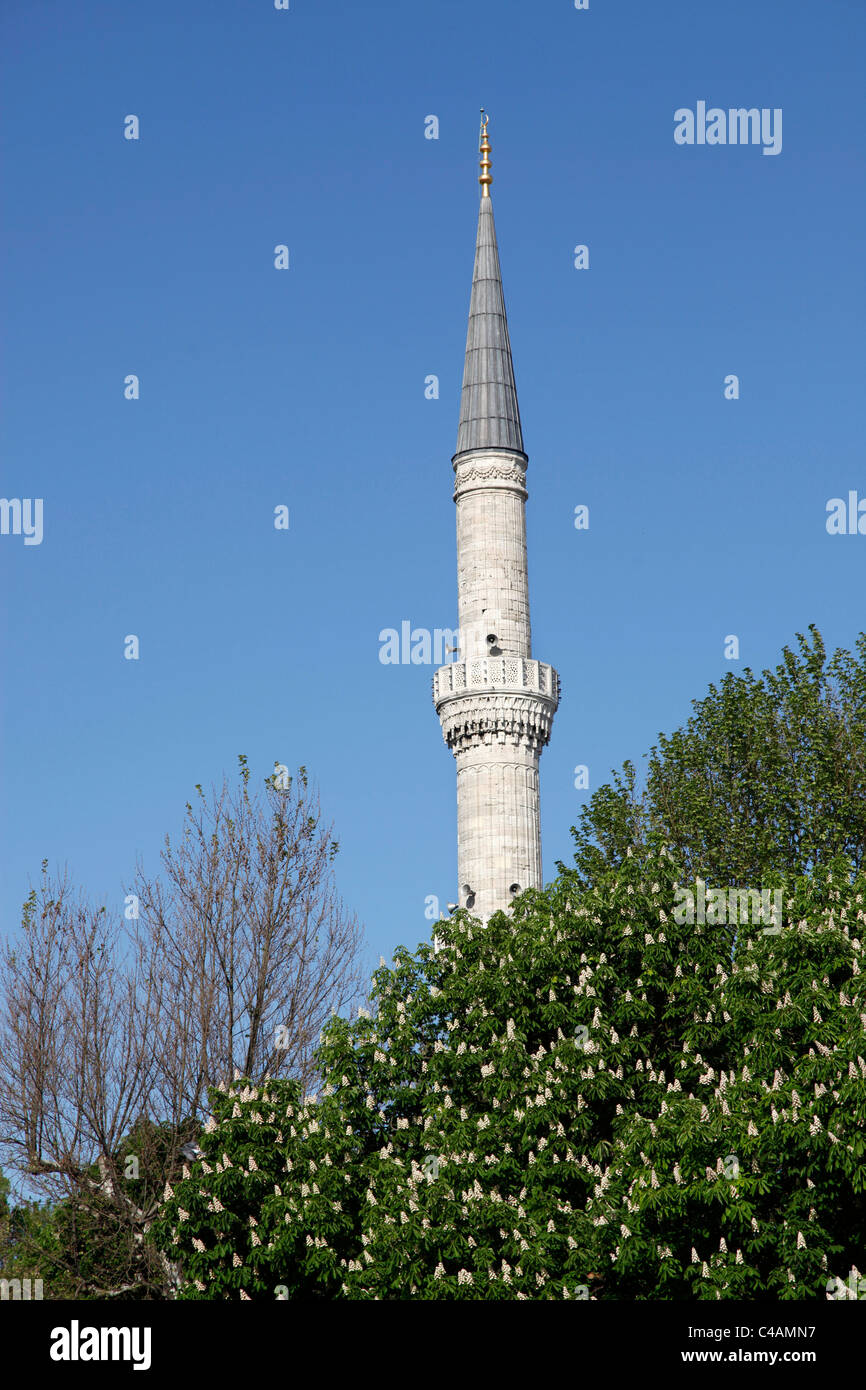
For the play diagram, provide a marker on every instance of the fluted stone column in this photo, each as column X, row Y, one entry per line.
column 492, row 580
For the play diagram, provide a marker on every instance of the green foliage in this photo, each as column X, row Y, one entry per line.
column 768, row 774
column 586, row 1099
column 25, row 1236
column 88, row 1251
column 240, row 1221
column 95, row 1243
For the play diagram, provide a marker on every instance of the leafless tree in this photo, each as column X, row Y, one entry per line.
column 255, row 950
column 227, row 962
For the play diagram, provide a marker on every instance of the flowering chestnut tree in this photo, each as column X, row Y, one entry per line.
column 587, row 1098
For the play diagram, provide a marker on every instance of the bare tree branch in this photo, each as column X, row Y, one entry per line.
column 240, row 951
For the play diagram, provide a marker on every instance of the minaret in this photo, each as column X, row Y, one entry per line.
column 495, row 704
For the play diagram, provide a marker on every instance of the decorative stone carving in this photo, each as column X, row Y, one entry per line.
column 475, row 473
column 496, row 699
column 496, row 673
column 472, row 720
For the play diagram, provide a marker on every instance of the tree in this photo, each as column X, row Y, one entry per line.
column 25, row 1233
column 234, row 1221
column 253, row 940
column 591, row 1098
column 767, row 776
column 112, row 1029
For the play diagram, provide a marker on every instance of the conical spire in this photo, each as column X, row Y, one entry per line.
column 489, row 414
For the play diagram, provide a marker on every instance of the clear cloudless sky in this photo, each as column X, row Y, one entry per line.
column 306, row 387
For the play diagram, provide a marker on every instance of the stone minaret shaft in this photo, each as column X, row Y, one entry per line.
column 495, row 703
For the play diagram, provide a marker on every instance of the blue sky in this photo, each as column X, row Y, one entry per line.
column 306, row 387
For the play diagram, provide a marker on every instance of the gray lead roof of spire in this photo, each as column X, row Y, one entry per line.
column 489, row 414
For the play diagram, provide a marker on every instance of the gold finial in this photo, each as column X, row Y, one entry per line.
column 485, row 177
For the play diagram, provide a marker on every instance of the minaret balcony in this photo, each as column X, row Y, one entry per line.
column 487, row 674
column 496, row 699
column 493, row 674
